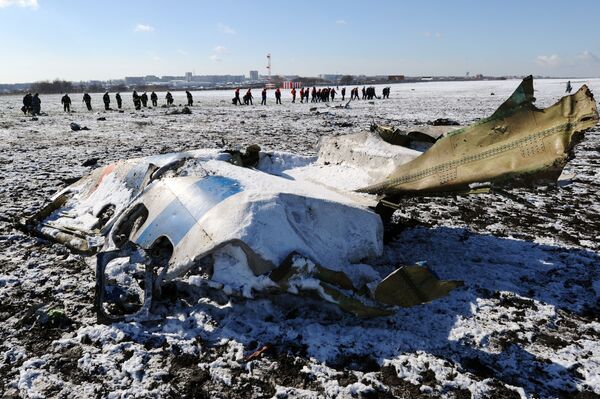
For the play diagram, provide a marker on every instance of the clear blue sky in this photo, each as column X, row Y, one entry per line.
column 82, row 40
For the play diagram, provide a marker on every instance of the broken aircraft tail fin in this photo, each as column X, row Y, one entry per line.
column 519, row 145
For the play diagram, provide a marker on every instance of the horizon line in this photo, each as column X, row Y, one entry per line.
column 300, row 76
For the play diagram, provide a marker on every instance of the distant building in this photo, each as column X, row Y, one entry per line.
column 330, row 77
column 396, row 78
column 179, row 83
column 218, row 79
column 151, row 78
column 253, row 75
column 134, row 80
column 289, row 85
column 188, row 76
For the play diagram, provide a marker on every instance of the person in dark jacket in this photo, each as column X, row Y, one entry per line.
column 277, row 96
column 293, row 94
column 236, row 99
column 66, row 102
column 137, row 102
column 189, row 98
column 332, row 93
column 248, row 97
column 106, row 99
column 343, row 93
column 144, row 99
column 119, row 100
column 36, row 104
column 264, row 97
column 88, row 101
column 154, row 99
column 371, row 93
column 26, row 103
column 569, row 87
column 169, row 98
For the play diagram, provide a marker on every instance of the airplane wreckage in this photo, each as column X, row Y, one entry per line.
column 279, row 222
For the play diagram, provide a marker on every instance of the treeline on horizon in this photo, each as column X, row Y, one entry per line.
column 62, row 86
column 59, row 86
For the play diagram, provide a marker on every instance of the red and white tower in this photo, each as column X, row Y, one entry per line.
column 269, row 65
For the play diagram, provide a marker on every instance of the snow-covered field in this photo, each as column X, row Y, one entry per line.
column 526, row 324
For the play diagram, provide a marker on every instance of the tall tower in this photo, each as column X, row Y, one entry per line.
column 269, row 65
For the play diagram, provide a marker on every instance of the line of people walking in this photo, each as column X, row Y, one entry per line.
column 315, row 95
column 139, row 101
column 32, row 103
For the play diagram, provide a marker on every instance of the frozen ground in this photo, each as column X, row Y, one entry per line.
column 526, row 324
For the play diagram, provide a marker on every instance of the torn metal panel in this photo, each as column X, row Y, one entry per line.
column 518, row 145
column 413, row 285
